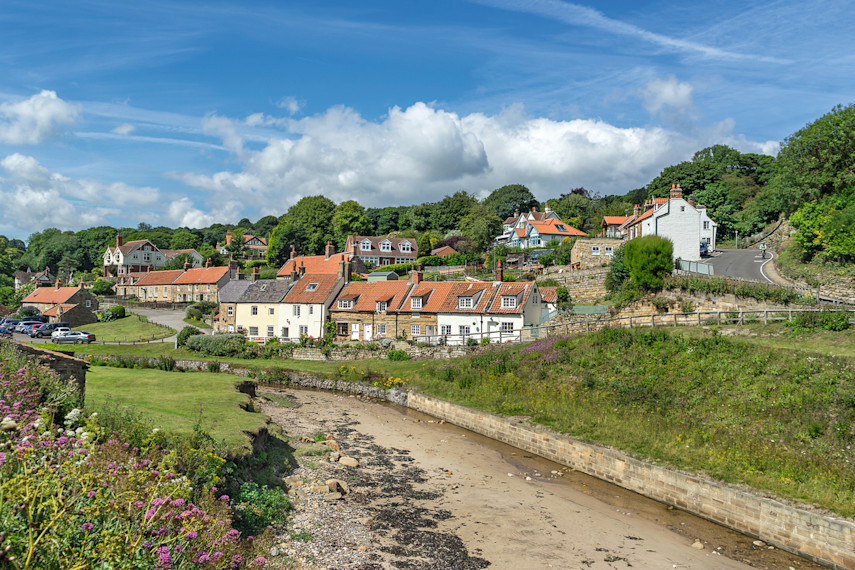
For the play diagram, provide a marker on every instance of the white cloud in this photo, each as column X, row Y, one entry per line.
column 36, row 119
column 182, row 213
column 290, row 104
column 124, row 129
column 34, row 197
column 661, row 93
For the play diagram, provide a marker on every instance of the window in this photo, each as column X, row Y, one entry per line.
column 507, row 327
column 88, row 302
column 371, row 259
column 230, row 310
column 341, row 329
column 445, row 329
column 382, row 306
column 381, row 330
column 284, row 332
column 296, row 310
column 416, row 303
column 311, row 286
column 415, row 330
column 271, row 311
column 146, row 256
column 560, row 228
column 464, row 330
column 304, row 330
column 609, row 250
column 595, row 250
column 385, row 246
column 164, row 291
column 365, row 245
column 706, row 225
column 253, row 310
column 270, row 331
column 464, row 302
column 345, row 303
column 253, row 331
column 509, row 302
column 405, row 247
column 682, row 208
column 154, row 292
column 311, row 309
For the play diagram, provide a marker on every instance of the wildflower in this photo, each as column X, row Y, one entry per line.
column 87, row 526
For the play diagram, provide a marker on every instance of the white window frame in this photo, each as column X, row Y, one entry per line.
column 509, row 302
column 345, row 303
column 405, row 247
column 464, row 302
column 595, row 250
column 230, row 310
column 445, row 330
column 609, row 251
column 381, row 330
column 253, row 310
column 296, row 310
column 311, row 309
column 271, row 311
column 311, row 286
column 382, row 306
column 304, row 330
column 464, row 330
column 506, row 327
column 365, row 245
column 284, row 332
column 386, row 245
column 253, row 331
column 415, row 330
column 415, row 303
column 271, row 332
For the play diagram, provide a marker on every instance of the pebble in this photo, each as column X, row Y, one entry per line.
column 698, row 545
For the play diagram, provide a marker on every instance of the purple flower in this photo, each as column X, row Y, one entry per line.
column 192, row 534
column 87, row 526
column 91, row 494
column 224, row 498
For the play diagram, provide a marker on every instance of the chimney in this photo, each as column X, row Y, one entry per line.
column 239, row 274
column 118, row 240
column 302, row 269
column 345, row 269
column 500, row 274
column 353, row 249
column 533, row 210
column 691, row 200
column 255, row 274
column 58, row 282
column 676, row 192
column 294, row 273
column 208, row 263
column 293, row 253
column 186, row 265
column 228, row 237
column 548, row 209
column 636, row 210
column 329, row 250
column 416, row 276
column 516, row 212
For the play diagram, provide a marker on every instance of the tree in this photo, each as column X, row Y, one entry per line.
column 505, row 200
column 102, row 287
column 348, row 219
column 447, row 213
column 264, row 226
column 816, row 161
column 307, row 225
column 572, row 206
column 184, row 238
column 481, row 225
column 649, row 260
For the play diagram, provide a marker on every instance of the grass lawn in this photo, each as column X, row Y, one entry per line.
column 129, row 329
column 197, row 324
column 174, row 400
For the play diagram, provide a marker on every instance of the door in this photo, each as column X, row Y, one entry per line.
column 367, row 332
column 354, row 331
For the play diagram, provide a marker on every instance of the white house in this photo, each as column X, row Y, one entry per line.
column 677, row 219
column 535, row 229
column 133, row 256
column 305, row 309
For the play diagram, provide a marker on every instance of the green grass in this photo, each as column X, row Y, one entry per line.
column 173, row 401
column 132, row 328
column 197, row 323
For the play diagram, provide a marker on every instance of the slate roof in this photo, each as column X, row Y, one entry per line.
column 265, row 291
column 129, row 246
column 232, row 291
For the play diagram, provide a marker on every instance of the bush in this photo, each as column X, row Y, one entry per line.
column 186, row 333
column 484, row 341
column 118, row 312
column 193, row 313
column 398, row 355
column 218, row 344
column 259, row 507
column 618, row 272
column 102, row 287
column 649, row 261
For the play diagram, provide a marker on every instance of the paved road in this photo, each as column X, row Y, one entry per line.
column 742, row 263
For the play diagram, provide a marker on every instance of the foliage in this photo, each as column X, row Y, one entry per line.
column 102, row 287
column 618, row 270
column 186, row 333
column 217, row 344
column 648, row 260
column 505, row 200
column 307, row 226
column 826, row 320
column 118, row 312
column 827, row 228
column 398, row 355
column 744, row 289
column 480, row 225
column 258, row 507
column 348, row 219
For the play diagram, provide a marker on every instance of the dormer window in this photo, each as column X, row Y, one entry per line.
column 416, row 303
column 311, row 286
column 464, row 302
column 560, row 228
column 345, row 303
column 509, row 302
column 382, row 306
column 365, row 245
column 386, row 245
column 405, row 247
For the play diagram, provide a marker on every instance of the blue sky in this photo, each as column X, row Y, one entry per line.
column 190, row 113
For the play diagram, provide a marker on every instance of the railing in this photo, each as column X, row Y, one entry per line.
column 694, row 267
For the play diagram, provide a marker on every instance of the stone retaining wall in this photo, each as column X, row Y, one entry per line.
column 822, row 538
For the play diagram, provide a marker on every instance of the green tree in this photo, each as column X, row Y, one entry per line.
column 348, row 219
column 307, row 225
column 649, row 260
column 446, row 214
column 183, row 238
column 481, row 225
column 264, row 226
column 577, row 207
column 102, row 287
column 505, row 200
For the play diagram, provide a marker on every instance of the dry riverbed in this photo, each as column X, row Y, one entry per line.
column 428, row 495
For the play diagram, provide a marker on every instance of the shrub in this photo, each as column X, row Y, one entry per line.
column 649, row 261
column 258, row 507
column 118, row 312
column 102, row 287
column 166, row 363
column 193, row 313
column 398, row 355
column 484, row 341
column 186, row 333
column 218, row 344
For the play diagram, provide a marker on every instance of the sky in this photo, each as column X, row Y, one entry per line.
column 191, row 113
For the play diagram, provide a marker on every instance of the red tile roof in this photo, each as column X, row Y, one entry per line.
column 615, row 220
column 154, row 278
column 368, row 293
column 443, row 251
column 549, row 294
column 550, row 227
column 301, row 293
column 202, row 275
column 50, row 295
column 314, row 264
column 54, row 311
column 463, row 289
column 519, row 290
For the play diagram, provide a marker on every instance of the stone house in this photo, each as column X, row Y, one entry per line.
column 74, row 305
column 228, row 296
column 593, row 252
column 367, row 310
column 328, row 263
column 380, row 251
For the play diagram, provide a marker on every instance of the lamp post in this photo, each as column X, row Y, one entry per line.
column 737, row 239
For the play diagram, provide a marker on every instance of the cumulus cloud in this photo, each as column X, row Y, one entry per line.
column 182, row 213
column 36, row 119
column 124, row 129
column 290, row 104
column 35, row 197
column 421, row 153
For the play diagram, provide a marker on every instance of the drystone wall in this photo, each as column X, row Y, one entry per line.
column 825, row 539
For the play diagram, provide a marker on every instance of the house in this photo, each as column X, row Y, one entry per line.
column 306, row 308
column 200, row 284
column 462, row 313
column 73, row 305
column 133, row 256
column 175, row 285
column 535, row 229
column 254, row 247
column 514, row 306
column 593, row 252
column 367, row 310
column 194, row 257
column 380, row 251
column 151, row 286
column 329, row 263
column 257, row 310
column 38, row 278
column 610, row 227
column 681, row 221
column 443, row 251
column 228, row 296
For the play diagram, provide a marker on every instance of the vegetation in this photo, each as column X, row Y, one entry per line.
column 133, row 328
column 186, row 333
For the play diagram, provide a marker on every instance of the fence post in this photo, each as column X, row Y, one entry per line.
column 766, row 317
column 630, row 322
column 719, row 318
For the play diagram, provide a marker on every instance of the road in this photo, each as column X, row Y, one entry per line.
column 742, row 263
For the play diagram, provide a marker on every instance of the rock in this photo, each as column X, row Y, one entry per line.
column 348, row 461
column 335, row 456
column 331, row 443
column 274, row 552
column 698, row 545
column 330, row 497
column 320, row 489
column 364, row 520
column 337, row 486
column 759, row 543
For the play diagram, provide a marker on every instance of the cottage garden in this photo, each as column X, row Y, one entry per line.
column 95, row 491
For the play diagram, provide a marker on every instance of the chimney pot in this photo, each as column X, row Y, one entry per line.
column 118, row 240
column 500, row 274
column 186, row 265
column 329, row 251
column 293, row 253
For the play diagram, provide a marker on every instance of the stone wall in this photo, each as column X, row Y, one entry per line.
column 584, row 285
column 346, row 353
column 67, row 367
column 582, row 255
column 822, row 538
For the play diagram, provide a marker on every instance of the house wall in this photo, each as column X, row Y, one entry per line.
column 244, row 319
column 582, row 255
column 227, row 323
column 679, row 222
column 362, row 319
column 312, row 315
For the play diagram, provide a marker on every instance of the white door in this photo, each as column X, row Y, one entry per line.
column 367, row 332
column 354, row 331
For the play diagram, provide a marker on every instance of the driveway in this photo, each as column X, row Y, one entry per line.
column 742, row 263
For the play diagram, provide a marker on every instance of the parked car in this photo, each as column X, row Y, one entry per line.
column 9, row 323
column 29, row 328
column 72, row 337
column 705, row 249
column 24, row 325
column 47, row 329
column 5, row 333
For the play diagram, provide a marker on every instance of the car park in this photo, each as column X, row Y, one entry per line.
column 24, row 325
column 9, row 323
column 72, row 337
column 47, row 329
column 5, row 333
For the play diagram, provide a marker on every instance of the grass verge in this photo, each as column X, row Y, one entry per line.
column 132, row 328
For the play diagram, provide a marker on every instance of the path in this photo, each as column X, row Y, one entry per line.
column 742, row 263
column 463, row 500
